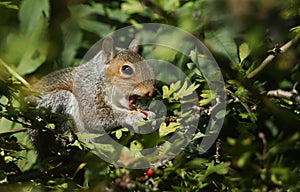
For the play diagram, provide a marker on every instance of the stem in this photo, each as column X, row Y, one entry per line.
column 284, row 94
column 270, row 58
column 15, row 74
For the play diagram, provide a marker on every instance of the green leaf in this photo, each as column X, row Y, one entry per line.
column 169, row 5
column 295, row 29
column 100, row 29
column 82, row 16
column 243, row 160
column 132, row 6
column 31, row 60
column 198, row 136
column 244, row 51
column 164, row 130
column 186, row 91
column 8, row 5
column 207, row 96
column 34, row 49
column 28, row 157
column 118, row 134
column 30, row 13
column 72, row 37
column 136, row 145
column 222, row 41
column 221, row 114
column 175, row 86
column 166, row 92
column 220, row 169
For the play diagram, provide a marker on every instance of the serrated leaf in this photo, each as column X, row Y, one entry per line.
column 186, row 91
column 175, row 86
column 182, row 89
column 206, row 97
column 204, row 102
column 164, row 130
column 166, row 92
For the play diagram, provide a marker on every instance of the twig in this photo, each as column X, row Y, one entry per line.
column 43, row 175
column 271, row 57
column 15, row 74
column 13, row 131
column 218, row 147
column 285, row 94
column 261, row 135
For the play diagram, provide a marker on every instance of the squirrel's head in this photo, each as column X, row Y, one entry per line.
column 128, row 72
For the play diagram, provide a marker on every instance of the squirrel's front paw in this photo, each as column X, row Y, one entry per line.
column 140, row 115
column 148, row 114
column 135, row 118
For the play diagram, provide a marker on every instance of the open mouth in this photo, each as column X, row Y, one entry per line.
column 132, row 100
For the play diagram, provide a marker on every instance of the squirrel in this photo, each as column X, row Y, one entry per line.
column 100, row 94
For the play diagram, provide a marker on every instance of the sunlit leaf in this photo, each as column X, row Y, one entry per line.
column 8, row 4
column 30, row 13
column 186, row 91
column 164, row 130
column 244, row 51
column 136, row 145
column 132, row 6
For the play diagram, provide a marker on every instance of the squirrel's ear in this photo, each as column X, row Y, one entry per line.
column 108, row 49
column 134, row 45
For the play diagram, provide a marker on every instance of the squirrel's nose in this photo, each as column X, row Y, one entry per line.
column 148, row 93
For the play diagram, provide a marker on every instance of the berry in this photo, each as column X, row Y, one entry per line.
column 150, row 172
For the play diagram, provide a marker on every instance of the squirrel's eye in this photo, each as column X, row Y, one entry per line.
column 126, row 69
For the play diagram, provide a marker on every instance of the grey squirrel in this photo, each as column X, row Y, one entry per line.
column 99, row 94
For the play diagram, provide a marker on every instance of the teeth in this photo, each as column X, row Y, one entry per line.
column 132, row 101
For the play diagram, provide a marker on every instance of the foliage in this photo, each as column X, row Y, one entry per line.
column 256, row 44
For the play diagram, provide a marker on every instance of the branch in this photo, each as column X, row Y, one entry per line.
column 271, row 57
column 13, row 131
column 285, row 94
